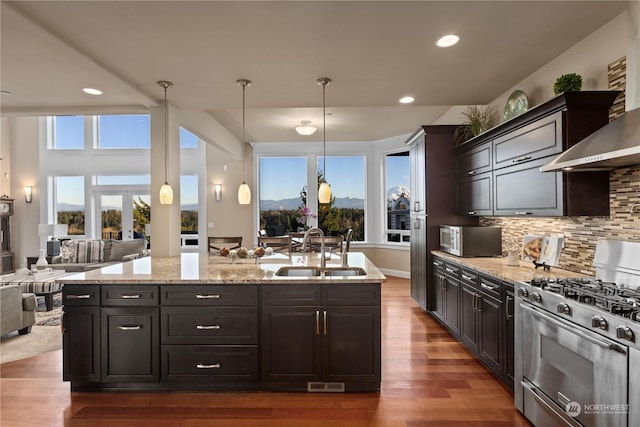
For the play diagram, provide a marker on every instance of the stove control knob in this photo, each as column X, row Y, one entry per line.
column 564, row 309
column 599, row 322
column 536, row 297
column 624, row 333
column 523, row 292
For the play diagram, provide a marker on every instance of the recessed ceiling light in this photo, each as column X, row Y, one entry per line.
column 406, row 100
column 448, row 40
column 92, row 91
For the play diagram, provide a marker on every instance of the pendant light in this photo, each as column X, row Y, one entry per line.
column 166, row 192
column 244, row 192
column 305, row 128
column 324, row 192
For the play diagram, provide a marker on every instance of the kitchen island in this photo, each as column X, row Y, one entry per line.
column 198, row 321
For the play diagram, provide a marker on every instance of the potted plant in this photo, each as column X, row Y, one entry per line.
column 478, row 119
column 570, row 82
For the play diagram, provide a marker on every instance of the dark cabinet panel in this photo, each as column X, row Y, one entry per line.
column 209, row 295
column 490, row 332
column 209, row 364
column 475, row 195
column 468, row 317
column 475, row 161
column 81, row 344
column 209, row 325
column 130, row 296
column 131, row 345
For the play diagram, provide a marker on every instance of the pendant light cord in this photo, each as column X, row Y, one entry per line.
column 324, row 132
column 166, row 134
column 244, row 139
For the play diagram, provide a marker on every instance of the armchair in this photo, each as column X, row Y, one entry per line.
column 17, row 310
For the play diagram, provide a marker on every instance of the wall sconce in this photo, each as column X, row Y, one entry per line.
column 217, row 188
column 28, row 193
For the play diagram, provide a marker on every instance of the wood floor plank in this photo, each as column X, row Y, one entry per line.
column 428, row 379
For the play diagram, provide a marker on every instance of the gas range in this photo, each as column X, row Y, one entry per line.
column 603, row 307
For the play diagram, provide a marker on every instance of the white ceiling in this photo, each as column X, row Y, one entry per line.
column 374, row 51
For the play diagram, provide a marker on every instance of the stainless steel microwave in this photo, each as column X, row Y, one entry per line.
column 470, row 241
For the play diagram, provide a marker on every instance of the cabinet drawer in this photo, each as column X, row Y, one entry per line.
column 539, row 139
column 198, row 364
column 81, row 295
column 469, row 277
column 201, row 325
column 490, row 287
column 126, row 295
column 299, row 295
column 474, row 161
column 209, row 295
column 344, row 294
column 452, row 270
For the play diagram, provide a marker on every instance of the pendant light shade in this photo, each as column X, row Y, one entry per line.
column 166, row 192
column 324, row 192
column 244, row 192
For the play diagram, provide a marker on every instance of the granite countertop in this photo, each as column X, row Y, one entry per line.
column 194, row 268
column 497, row 267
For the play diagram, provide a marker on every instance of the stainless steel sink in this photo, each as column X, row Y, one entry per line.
column 300, row 271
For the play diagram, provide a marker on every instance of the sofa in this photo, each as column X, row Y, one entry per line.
column 17, row 310
column 85, row 255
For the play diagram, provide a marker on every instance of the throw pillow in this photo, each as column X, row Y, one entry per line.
column 69, row 251
column 121, row 248
column 90, row 251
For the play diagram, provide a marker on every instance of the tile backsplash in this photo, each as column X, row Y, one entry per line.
column 582, row 233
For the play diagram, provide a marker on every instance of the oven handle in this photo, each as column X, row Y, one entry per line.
column 604, row 344
column 542, row 400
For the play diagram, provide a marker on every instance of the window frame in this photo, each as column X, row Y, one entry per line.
column 385, row 221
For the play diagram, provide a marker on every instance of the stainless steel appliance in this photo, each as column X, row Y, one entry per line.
column 577, row 344
column 471, row 241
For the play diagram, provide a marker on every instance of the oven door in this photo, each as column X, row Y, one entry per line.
column 571, row 374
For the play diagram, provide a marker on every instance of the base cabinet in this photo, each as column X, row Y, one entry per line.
column 287, row 337
column 333, row 339
column 485, row 308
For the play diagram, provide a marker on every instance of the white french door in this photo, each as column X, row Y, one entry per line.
column 118, row 218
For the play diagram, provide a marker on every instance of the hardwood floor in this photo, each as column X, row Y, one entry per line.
column 428, row 379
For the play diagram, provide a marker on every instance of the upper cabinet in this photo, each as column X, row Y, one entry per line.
column 498, row 172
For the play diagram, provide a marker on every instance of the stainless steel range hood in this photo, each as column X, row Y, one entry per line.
column 612, row 146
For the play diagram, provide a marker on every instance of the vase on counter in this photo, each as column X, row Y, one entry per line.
column 42, row 263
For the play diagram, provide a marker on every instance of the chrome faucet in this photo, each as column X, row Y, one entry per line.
column 323, row 260
column 345, row 252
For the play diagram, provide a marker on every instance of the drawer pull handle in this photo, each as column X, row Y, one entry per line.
column 471, row 212
column 130, row 328
column 522, row 213
column 129, row 296
column 203, row 366
column 207, row 327
column 521, row 159
column 211, row 296
column 465, row 277
column 451, row 270
column 487, row 287
column 471, row 173
column 85, row 296
column 437, row 264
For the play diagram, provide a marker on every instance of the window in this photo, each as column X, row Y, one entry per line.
column 123, row 180
column 346, row 175
column 69, row 203
column 397, row 196
column 187, row 139
column 189, row 204
column 283, row 191
column 68, row 132
column 120, row 132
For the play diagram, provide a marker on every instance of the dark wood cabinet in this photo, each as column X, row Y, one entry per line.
column 7, row 257
column 130, row 342
column 514, row 185
column 433, row 203
column 332, row 341
column 485, row 310
column 81, row 333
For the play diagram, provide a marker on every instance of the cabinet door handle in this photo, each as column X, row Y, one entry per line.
column 478, row 303
column 85, row 296
column 521, row 159
column 324, row 321
column 416, row 206
column 506, row 307
column 203, row 366
column 522, row 213
column 471, row 212
column 207, row 327
column 130, row 328
column 317, row 322
column 416, row 224
column 473, row 303
column 212, row 296
column 471, row 173
column 129, row 296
